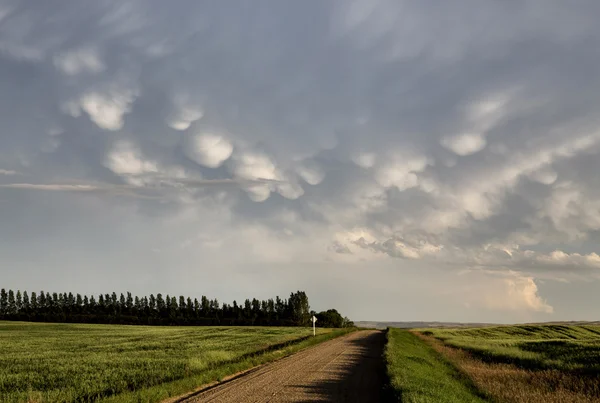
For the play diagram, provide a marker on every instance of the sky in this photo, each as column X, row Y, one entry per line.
column 397, row 160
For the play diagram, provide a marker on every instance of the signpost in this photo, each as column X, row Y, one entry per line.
column 314, row 319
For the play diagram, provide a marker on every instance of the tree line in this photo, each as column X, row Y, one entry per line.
column 162, row 310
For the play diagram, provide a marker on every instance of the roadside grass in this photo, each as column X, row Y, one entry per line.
column 72, row 362
column 418, row 373
column 528, row 363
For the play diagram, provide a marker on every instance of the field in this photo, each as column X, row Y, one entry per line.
column 527, row 363
column 68, row 362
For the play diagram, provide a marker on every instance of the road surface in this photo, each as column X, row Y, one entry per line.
column 345, row 369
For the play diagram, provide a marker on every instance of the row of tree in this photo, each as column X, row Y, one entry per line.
column 159, row 310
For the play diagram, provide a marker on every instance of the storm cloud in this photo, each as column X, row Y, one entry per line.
column 353, row 148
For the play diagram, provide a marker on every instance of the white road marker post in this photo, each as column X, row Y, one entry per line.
column 314, row 320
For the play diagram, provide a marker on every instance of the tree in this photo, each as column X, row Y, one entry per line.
column 93, row 305
column 42, row 301
column 279, row 308
column 19, row 301
column 299, row 307
column 70, row 302
column 52, row 301
column 235, row 310
column 196, row 307
column 137, row 305
column 160, row 303
column 3, row 302
column 205, row 306
column 64, row 307
column 61, row 301
column 247, row 309
column 26, row 302
column 182, row 305
column 12, row 305
column 255, row 310
column 152, row 303
column 129, row 302
column 171, row 310
column 190, row 308
column 79, row 303
column 34, row 301
column 330, row 318
column 85, row 305
column 101, row 303
column 122, row 304
column 107, row 302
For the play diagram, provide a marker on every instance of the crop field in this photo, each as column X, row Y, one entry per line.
column 527, row 363
column 72, row 362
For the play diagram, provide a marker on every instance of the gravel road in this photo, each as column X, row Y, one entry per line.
column 346, row 369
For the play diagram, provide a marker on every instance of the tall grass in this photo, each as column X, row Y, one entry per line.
column 67, row 362
column 419, row 374
column 541, row 363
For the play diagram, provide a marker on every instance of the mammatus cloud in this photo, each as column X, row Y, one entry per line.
column 210, row 149
column 464, row 144
column 393, row 133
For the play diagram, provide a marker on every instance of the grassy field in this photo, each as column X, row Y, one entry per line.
column 419, row 374
column 568, row 348
column 527, row 363
column 69, row 362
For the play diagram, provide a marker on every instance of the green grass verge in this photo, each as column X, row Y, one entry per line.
column 417, row 373
column 72, row 362
column 562, row 347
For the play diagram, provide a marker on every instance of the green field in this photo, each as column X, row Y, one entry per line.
column 525, row 363
column 71, row 362
column 536, row 347
column 419, row 374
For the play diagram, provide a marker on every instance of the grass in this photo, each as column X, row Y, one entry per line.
column 566, row 348
column 527, row 363
column 78, row 363
column 420, row 374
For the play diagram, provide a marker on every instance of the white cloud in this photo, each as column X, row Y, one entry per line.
column 184, row 113
column 209, row 149
column 401, row 171
column 85, row 60
column 290, row 190
column 312, row 174
column 107, row 109
column 503, row 291
column 465, row 144
column 258, row 192
column 183, row 118
column 254, row 165
column 126, row 159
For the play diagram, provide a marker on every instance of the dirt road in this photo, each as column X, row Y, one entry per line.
column 346, row 369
